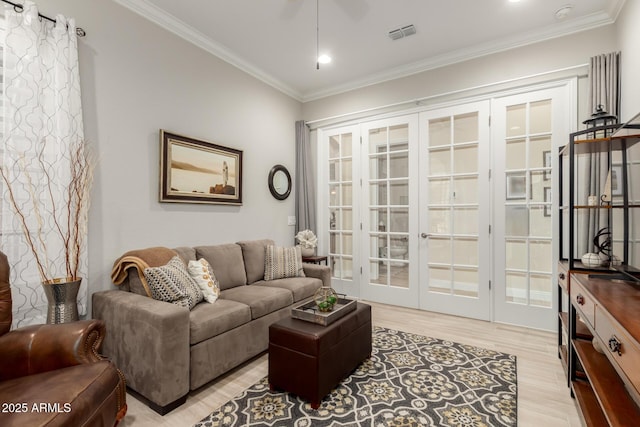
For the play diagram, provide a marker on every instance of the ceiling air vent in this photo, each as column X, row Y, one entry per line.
column 406, row 31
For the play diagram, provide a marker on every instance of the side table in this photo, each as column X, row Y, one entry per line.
column 316, row 259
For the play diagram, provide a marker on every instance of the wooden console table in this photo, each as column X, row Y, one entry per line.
column 610, row 394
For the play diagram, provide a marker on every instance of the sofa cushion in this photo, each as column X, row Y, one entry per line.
column 300, row 287
column 282, row 262
column 208, row 320
column 253, row 254
column 200, row 271
column 186, row 253
column 262, row 300
column 172, row 283
column 226, row 262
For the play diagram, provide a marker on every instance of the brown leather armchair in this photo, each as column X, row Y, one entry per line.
column 53, row 375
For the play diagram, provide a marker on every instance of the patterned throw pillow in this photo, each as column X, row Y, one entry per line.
column 282, row 262
column 172, row 283
column 201, row 272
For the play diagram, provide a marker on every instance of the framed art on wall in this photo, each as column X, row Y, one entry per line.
column 195, row 171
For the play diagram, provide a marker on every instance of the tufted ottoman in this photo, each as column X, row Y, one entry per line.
column 309, row 360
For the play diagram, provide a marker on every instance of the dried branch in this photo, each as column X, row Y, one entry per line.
column 69, row 214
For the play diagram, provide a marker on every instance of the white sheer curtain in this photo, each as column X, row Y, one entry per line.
column 42, row 116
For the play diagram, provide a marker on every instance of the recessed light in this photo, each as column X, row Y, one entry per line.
column 324, row 59
column 514, row 1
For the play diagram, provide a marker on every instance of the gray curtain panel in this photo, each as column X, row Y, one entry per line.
column 604, row 89
column 304, row 183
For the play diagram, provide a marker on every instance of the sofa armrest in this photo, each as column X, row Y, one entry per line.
column 149, row 341
column 42, row 348
column 321, row 272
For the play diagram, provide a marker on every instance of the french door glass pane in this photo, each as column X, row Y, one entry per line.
column 440, row 132
column 539, row 259
column 465, row 251
column 465, row 282
column 439, row 221
column 466, row 190
column 399, row 193
column 440, row 279
column 399, row 220
column 347, row 219
column 399, row 165
column 540, row 225
column 466, row 220
column 517, row 288
column 516, row 255
column 347, row 268
column 440, row 251
column 541, row 292
column 346, row 170
column 378, row 193
column 540, row 116
column 439, row 191
column 334, row 170
column 347, row 195
column 378, row 272
column 440, row 162
column 516, row 154
column 540, row 152
column 516, row 120
column 516, row 220
column 334, row 147
column 465, row 128
column 399, row 276
column 465, row 159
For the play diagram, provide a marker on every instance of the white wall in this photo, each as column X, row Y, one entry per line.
column 138, row 78
column 629, row 40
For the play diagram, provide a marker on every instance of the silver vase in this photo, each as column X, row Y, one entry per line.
column 62, row 296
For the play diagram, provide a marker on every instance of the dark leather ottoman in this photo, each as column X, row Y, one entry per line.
column 309, row 360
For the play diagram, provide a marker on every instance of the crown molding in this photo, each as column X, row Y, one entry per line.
column 169, row 22
column 575, row 26
column 181, row 29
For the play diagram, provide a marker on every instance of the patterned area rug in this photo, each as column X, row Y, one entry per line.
column 410, row 380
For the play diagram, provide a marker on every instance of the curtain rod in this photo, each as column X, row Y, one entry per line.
column 19, row 8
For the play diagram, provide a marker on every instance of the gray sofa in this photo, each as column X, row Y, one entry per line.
column 165, row 350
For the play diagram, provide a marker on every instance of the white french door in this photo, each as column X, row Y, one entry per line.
column 449, row 210
column 527, row 131
column 389, row 200
column 340, row 206
column 455, row 200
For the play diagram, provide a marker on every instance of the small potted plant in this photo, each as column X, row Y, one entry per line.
column 307, row 241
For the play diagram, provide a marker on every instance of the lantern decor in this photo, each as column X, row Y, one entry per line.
column 325, row 298
column 600, row 119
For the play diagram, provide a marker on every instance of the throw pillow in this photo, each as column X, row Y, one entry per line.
column 201, row 272
column 282, row 262
column 172, row 283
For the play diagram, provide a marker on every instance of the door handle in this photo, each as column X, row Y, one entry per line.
column 425, row 235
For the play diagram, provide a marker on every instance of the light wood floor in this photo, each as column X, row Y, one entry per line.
column 543, row 396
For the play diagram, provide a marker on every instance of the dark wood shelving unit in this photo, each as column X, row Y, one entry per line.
column 593, row 308
column 606, row 387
